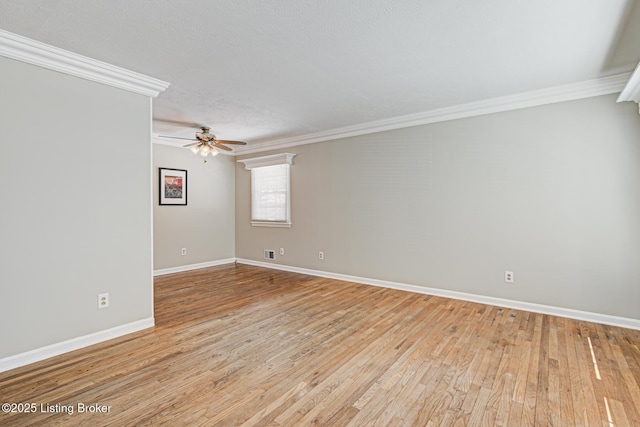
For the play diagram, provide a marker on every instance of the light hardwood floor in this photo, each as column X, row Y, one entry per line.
column 242, row 345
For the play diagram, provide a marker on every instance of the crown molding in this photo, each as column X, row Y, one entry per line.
column 33, row 52
column 631, row 91
column 569, row 92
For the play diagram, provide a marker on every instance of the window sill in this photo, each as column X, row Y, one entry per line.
column 271, row 224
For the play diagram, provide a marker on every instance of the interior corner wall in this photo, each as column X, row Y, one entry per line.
column 551, row 193
column 206, row 225
column 75, row 159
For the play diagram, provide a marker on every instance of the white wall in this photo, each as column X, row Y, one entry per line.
column 206, row 226
column 551, row 193
column 75, row 217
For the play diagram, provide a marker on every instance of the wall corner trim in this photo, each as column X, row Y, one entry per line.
column 56, row 349
column 34, row 52
column 631, row 91
column 622, row 322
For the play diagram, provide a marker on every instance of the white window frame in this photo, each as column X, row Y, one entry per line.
column 273, row 160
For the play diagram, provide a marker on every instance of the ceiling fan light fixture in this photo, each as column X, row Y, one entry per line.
column 206, row 142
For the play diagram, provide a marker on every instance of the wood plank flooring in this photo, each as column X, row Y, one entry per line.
column 247, row 346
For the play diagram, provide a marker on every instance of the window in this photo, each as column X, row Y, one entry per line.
column 270, row 194
column 270, row 190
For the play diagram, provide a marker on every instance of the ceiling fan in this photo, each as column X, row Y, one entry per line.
column 206, row 143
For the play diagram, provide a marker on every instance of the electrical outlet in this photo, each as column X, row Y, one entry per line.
column 508, row 276
column 269, row 254
column 320, row 255
column 281, row 251
column 183, row 251
column 103, row 300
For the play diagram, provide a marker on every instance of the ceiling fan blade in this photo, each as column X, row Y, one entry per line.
column 220, row 146
column 176, row 137
column 224, row 141
column 191, row 145
column 179, row 123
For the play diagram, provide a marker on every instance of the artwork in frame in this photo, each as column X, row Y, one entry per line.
column 173, row 186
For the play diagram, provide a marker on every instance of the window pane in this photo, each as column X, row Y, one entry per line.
column 269, row 193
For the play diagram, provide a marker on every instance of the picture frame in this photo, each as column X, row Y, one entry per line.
column 173, row 187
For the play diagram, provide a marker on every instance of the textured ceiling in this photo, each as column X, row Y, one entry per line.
column 266, row 70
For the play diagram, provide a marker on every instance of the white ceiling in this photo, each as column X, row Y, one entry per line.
column 268, row 71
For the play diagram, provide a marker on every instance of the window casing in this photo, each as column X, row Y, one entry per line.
column 270, row 190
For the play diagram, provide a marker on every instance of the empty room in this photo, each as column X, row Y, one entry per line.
column 290, row 213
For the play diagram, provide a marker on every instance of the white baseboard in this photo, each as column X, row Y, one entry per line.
column 46, row 352
column 190, row 267
column 605, row 319
column 56, row 349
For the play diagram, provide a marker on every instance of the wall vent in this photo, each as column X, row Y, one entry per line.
column 269, row 254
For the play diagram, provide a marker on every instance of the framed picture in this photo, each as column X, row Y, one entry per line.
column 173, row 186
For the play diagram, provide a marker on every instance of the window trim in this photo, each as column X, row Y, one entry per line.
column 272, row 160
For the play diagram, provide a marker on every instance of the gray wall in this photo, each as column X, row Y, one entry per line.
column 551, row 193
column 76, row 217
column 206, row 226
